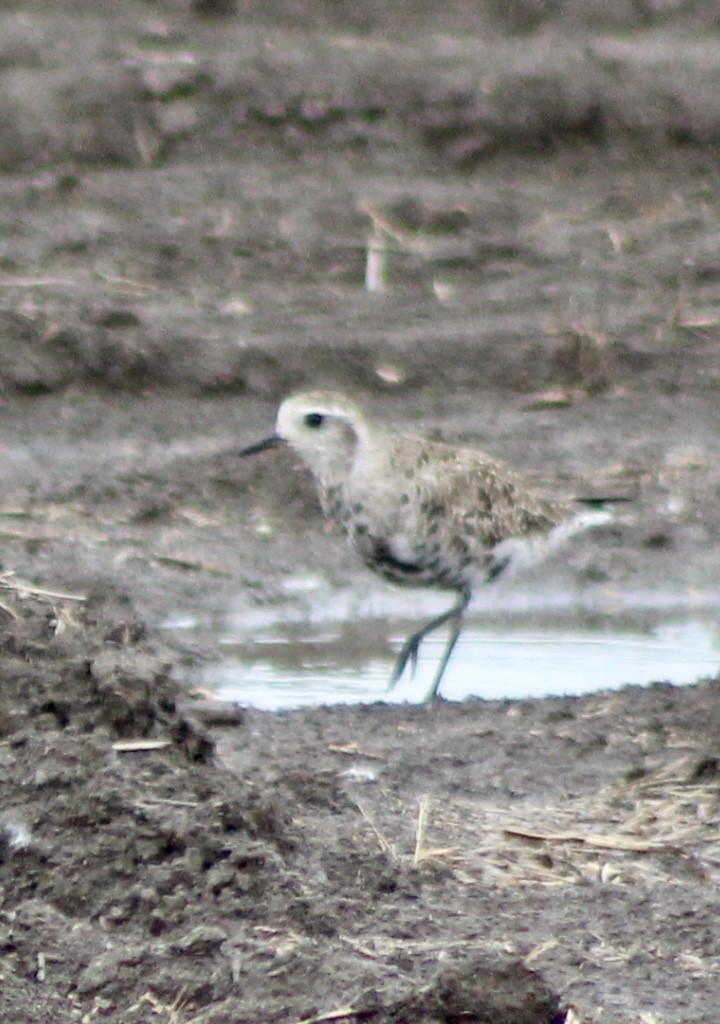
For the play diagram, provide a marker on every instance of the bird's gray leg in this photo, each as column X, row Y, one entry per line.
column 409, row 650
column 449, row 647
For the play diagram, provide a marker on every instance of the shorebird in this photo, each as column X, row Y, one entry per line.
column 422, row 513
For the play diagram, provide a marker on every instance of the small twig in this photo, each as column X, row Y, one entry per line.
column 421, row 829
column 601, row 842
column 540, row 950
column 186, row 562
column 385, row 844
column 128, row 284
column 353, row 749
column 37, row 282
column 171, row 1010
column 132, row 746
column 8, row 581
column 422, row 852
column 167, row 802
column 689, row 322
column 341, row 1013
column 376, row 263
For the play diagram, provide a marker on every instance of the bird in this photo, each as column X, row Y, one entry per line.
column 420, row 512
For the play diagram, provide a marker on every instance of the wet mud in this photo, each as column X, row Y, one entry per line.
column 188, row 191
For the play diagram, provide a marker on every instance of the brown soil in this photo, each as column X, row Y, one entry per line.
column 187, row 193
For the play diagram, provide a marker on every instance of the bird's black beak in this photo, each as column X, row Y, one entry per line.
column 261, row 446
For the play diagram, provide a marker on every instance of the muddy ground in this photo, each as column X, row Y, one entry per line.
column 187, row 193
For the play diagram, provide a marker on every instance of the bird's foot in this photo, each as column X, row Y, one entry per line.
column 408, row 653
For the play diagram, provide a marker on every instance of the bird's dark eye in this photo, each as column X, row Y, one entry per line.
column 314, row 419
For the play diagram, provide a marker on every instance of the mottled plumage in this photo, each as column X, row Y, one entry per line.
column 419, row 512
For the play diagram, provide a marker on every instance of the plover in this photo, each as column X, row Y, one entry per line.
column 422, row 513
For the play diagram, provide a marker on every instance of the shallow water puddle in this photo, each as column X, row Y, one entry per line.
column 351, row 662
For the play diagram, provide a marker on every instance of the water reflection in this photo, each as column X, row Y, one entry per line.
column 350, row 662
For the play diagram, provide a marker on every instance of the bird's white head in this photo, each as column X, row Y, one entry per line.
column 325, row 430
